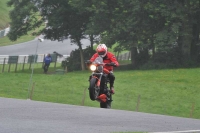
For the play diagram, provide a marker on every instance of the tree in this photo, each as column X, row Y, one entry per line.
column 144, row 25
column 136, row 25
column 63, row 20
column 24, row 17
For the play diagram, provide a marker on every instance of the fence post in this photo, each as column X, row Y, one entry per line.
column 138, row 103
column 43, row 61
column 31, row 95
column 16, row 66
column 3, row 64
column 192, row 110
column 9, row 67
column 55, row 62
column 83, row 100
column 23, row 63
column 30, row 63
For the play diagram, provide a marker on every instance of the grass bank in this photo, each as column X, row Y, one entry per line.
column 4, row 23
column 172, row 92
column 4, row 41
column 4, row 11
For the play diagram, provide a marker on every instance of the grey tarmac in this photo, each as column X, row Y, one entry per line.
column 47, row 46
column 27, row 116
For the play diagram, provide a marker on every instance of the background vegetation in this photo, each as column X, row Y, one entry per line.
column 158, row 33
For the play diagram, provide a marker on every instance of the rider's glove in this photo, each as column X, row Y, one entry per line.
column 111, row 64
column 88, row 62
column 112, row 91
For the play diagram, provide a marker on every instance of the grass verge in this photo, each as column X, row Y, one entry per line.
column 172, row 92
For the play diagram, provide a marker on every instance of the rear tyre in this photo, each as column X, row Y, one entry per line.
column 93, row 89
column 106, row 104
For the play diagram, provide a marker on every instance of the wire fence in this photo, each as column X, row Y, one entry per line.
column 124, row 56
column 22, row 62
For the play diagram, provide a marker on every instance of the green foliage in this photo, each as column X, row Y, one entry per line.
column 63, row 20
column 147, row 24
column 144, row 25
column 24, row 17
column 73, row 62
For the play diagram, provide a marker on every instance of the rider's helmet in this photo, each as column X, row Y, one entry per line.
column 101, row 50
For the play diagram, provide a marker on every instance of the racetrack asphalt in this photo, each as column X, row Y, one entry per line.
column 27, row 116
column 47, row 46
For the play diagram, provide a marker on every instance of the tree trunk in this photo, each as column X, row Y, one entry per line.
column 81, row 55
column 134, row 54
column 91, row 41
column 185, row 40
column 153, row 47
column 195, row 40
column 194, row 47
column 145, row 55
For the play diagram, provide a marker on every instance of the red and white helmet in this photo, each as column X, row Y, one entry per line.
column 101, row 50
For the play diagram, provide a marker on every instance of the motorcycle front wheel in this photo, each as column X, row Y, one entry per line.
column 105, row 105
column 93, row 89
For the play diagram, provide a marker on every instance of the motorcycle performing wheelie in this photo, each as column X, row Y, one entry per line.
column 98, row 88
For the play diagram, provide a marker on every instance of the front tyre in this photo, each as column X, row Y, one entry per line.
column 105, row 105
column 93, row 89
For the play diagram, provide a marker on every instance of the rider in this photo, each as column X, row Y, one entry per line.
column 110, row 60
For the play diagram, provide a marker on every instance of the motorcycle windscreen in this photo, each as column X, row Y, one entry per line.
column 99, row 60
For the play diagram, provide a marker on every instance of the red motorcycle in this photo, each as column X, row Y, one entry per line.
column 98, row 89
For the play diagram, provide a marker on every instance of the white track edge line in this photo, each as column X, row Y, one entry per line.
column 186, row 131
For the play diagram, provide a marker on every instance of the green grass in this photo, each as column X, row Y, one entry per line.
column 4, row 11
column 4, row 23
column 4, row 41
column 169, row 92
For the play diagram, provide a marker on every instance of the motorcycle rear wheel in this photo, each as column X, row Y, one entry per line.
column 107, row 104
column 93, row 89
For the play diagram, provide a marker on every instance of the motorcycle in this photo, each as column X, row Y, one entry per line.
column 98, row 88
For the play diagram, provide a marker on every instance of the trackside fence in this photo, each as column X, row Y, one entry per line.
column 124, row 56
column 22, row 62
